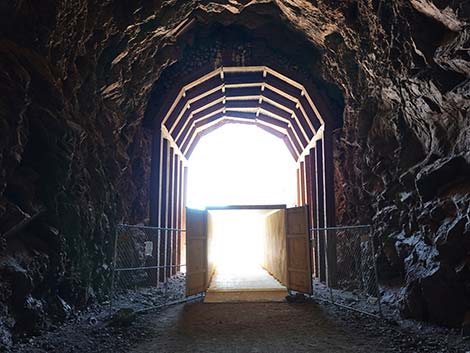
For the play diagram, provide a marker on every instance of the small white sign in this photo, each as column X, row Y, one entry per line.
column 148, row 248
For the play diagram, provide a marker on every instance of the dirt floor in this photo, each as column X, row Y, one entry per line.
column 311, row 326
column 280, row 327
column 252, row 327
column 244, row 327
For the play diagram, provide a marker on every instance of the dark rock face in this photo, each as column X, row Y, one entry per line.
column 75, row 81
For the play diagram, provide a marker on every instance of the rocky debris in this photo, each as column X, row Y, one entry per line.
column 142, row 298
column 466, row 325
column 399, row 336
column 98, row 328
column 123, row 317
column 297, row 298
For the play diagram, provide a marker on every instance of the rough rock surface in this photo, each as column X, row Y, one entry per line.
column 75, row 81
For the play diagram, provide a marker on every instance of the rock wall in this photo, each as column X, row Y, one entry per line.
column 75, row 80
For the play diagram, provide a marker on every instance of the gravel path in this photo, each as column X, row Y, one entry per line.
column 280, row 327
column 233, row 328
column 254, row 327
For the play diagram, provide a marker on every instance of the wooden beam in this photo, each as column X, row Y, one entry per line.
column 320, row 210
column 188, row 87
column 308, row 185
column 163, row 206
column 246, row 77
column 172, row 143
column 313, row 205
column 311, row 144
column 215, row 105
column 299, row 198
column 302, row 183
column 183, row 209
column 169, row 214
column 181, row 224
column 175, row 213
column 299, row 148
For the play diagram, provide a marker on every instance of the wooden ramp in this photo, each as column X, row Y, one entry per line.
column 255, row 285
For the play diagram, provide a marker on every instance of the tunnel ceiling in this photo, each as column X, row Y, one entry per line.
column 254, row 95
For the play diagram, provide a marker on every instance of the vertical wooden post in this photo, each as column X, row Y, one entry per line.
column 163, row 207
column 302, row 183
column 180, row 212
column 183, row 208
column 299, row 197
column 314, row 207
column 175, row 235
column 320, row 210
column 330, row 209
column 308, row 185
column 170, row 194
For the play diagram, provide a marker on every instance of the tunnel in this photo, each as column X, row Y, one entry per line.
column 102, row 106
column 249, row 95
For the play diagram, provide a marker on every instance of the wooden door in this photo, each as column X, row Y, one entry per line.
column 196, row 251
column 299, row 261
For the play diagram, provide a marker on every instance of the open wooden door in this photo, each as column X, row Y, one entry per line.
column 196, row 251
column 299, row 261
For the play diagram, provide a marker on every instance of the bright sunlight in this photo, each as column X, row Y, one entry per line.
column 240, row 164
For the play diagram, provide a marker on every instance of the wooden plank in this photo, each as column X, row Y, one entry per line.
column 299, row 148
column 298, row 187
column 275, row 246
column 169, row 213
column 302, row 183
column 320, row 211
column 163, row 208
column 196, row 251
column 313, row 206
column 210, row 248
column 299, row 264
column 180, row 213
column 184, row 187
column 175, row 235
column 309, row 198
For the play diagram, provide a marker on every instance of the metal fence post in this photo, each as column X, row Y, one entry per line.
column 374, row 259
column 113, row 269
column 358, row 281
column 135, row 259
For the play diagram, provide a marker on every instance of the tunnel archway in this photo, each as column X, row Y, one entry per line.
column 270, row 77
column 257, row 95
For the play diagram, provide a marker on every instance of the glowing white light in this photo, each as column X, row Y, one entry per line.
column 241, row 165
column 237, row 245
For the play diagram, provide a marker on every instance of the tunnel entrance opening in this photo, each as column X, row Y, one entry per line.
column 241, row 164
column 264, row 98
column 248, row 253
column 237, row 249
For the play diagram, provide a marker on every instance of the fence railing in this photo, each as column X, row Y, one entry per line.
column 146, row 262
column 356, row 279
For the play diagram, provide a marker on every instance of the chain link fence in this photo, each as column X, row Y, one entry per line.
column 357, row 286
column 147, row 269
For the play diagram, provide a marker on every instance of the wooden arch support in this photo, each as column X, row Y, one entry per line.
column 259, row 96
